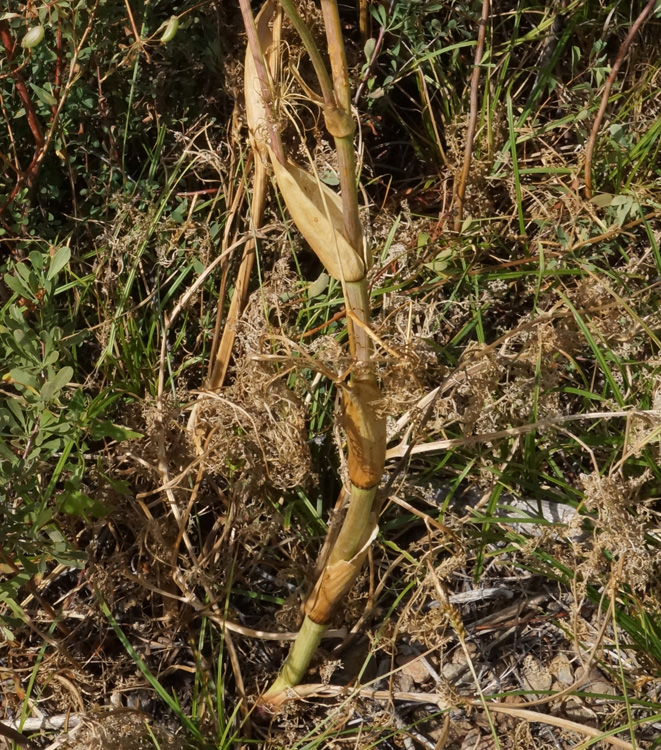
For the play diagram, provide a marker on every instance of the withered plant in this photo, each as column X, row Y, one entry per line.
column 331, row 226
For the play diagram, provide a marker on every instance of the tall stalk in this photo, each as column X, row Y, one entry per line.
column 331, row 225
column 460, row 190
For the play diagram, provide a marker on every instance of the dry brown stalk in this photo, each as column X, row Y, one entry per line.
column 364, row 19
column 405, row 449
column 20, row 739
column 223, row 352
column 257, row 73
column 229, row 235
column 258, row 124
column 592, row 140
column 460, row 192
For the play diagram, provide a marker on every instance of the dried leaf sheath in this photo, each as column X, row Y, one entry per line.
column 317, row 213
column 258, row 131
column 366, row 433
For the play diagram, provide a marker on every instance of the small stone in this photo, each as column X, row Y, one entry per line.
column 561, row 669
column 536, row 676
column 597, row 682
column 576, row 710
column 451, row 671
column 472, row 740
column 413, row 667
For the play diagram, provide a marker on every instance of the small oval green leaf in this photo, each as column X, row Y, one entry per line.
column 33, row 37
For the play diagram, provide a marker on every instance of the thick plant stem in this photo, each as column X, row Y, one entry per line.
column 357, row 519
column 311, row 48
column 306, row 643
column 337, row 578
column 364, row 427
column 357, row 300
column 341, row 126
column 337, row 109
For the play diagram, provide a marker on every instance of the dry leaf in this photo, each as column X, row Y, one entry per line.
column 317, row 213
column 336, row 581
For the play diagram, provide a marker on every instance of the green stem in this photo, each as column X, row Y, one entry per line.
column 306, row 643
column 337, row 54
column 344, row 145
column 359, row 520
column 336, row 95
column 346, row 162
column 311, row 48
column 357, row 300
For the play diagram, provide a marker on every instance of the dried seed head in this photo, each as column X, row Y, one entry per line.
column 454, row 618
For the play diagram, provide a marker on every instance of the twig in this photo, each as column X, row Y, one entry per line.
column 48, row 723
column 21, row 88
column 17, row 737
column 472, row 118
column 138, row 39
column 27, row 177
column 206, row 610
column 613, row 232
column 592, row 140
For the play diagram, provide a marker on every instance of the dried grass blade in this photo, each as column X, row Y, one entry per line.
column 258, row 127
column 239, row 298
